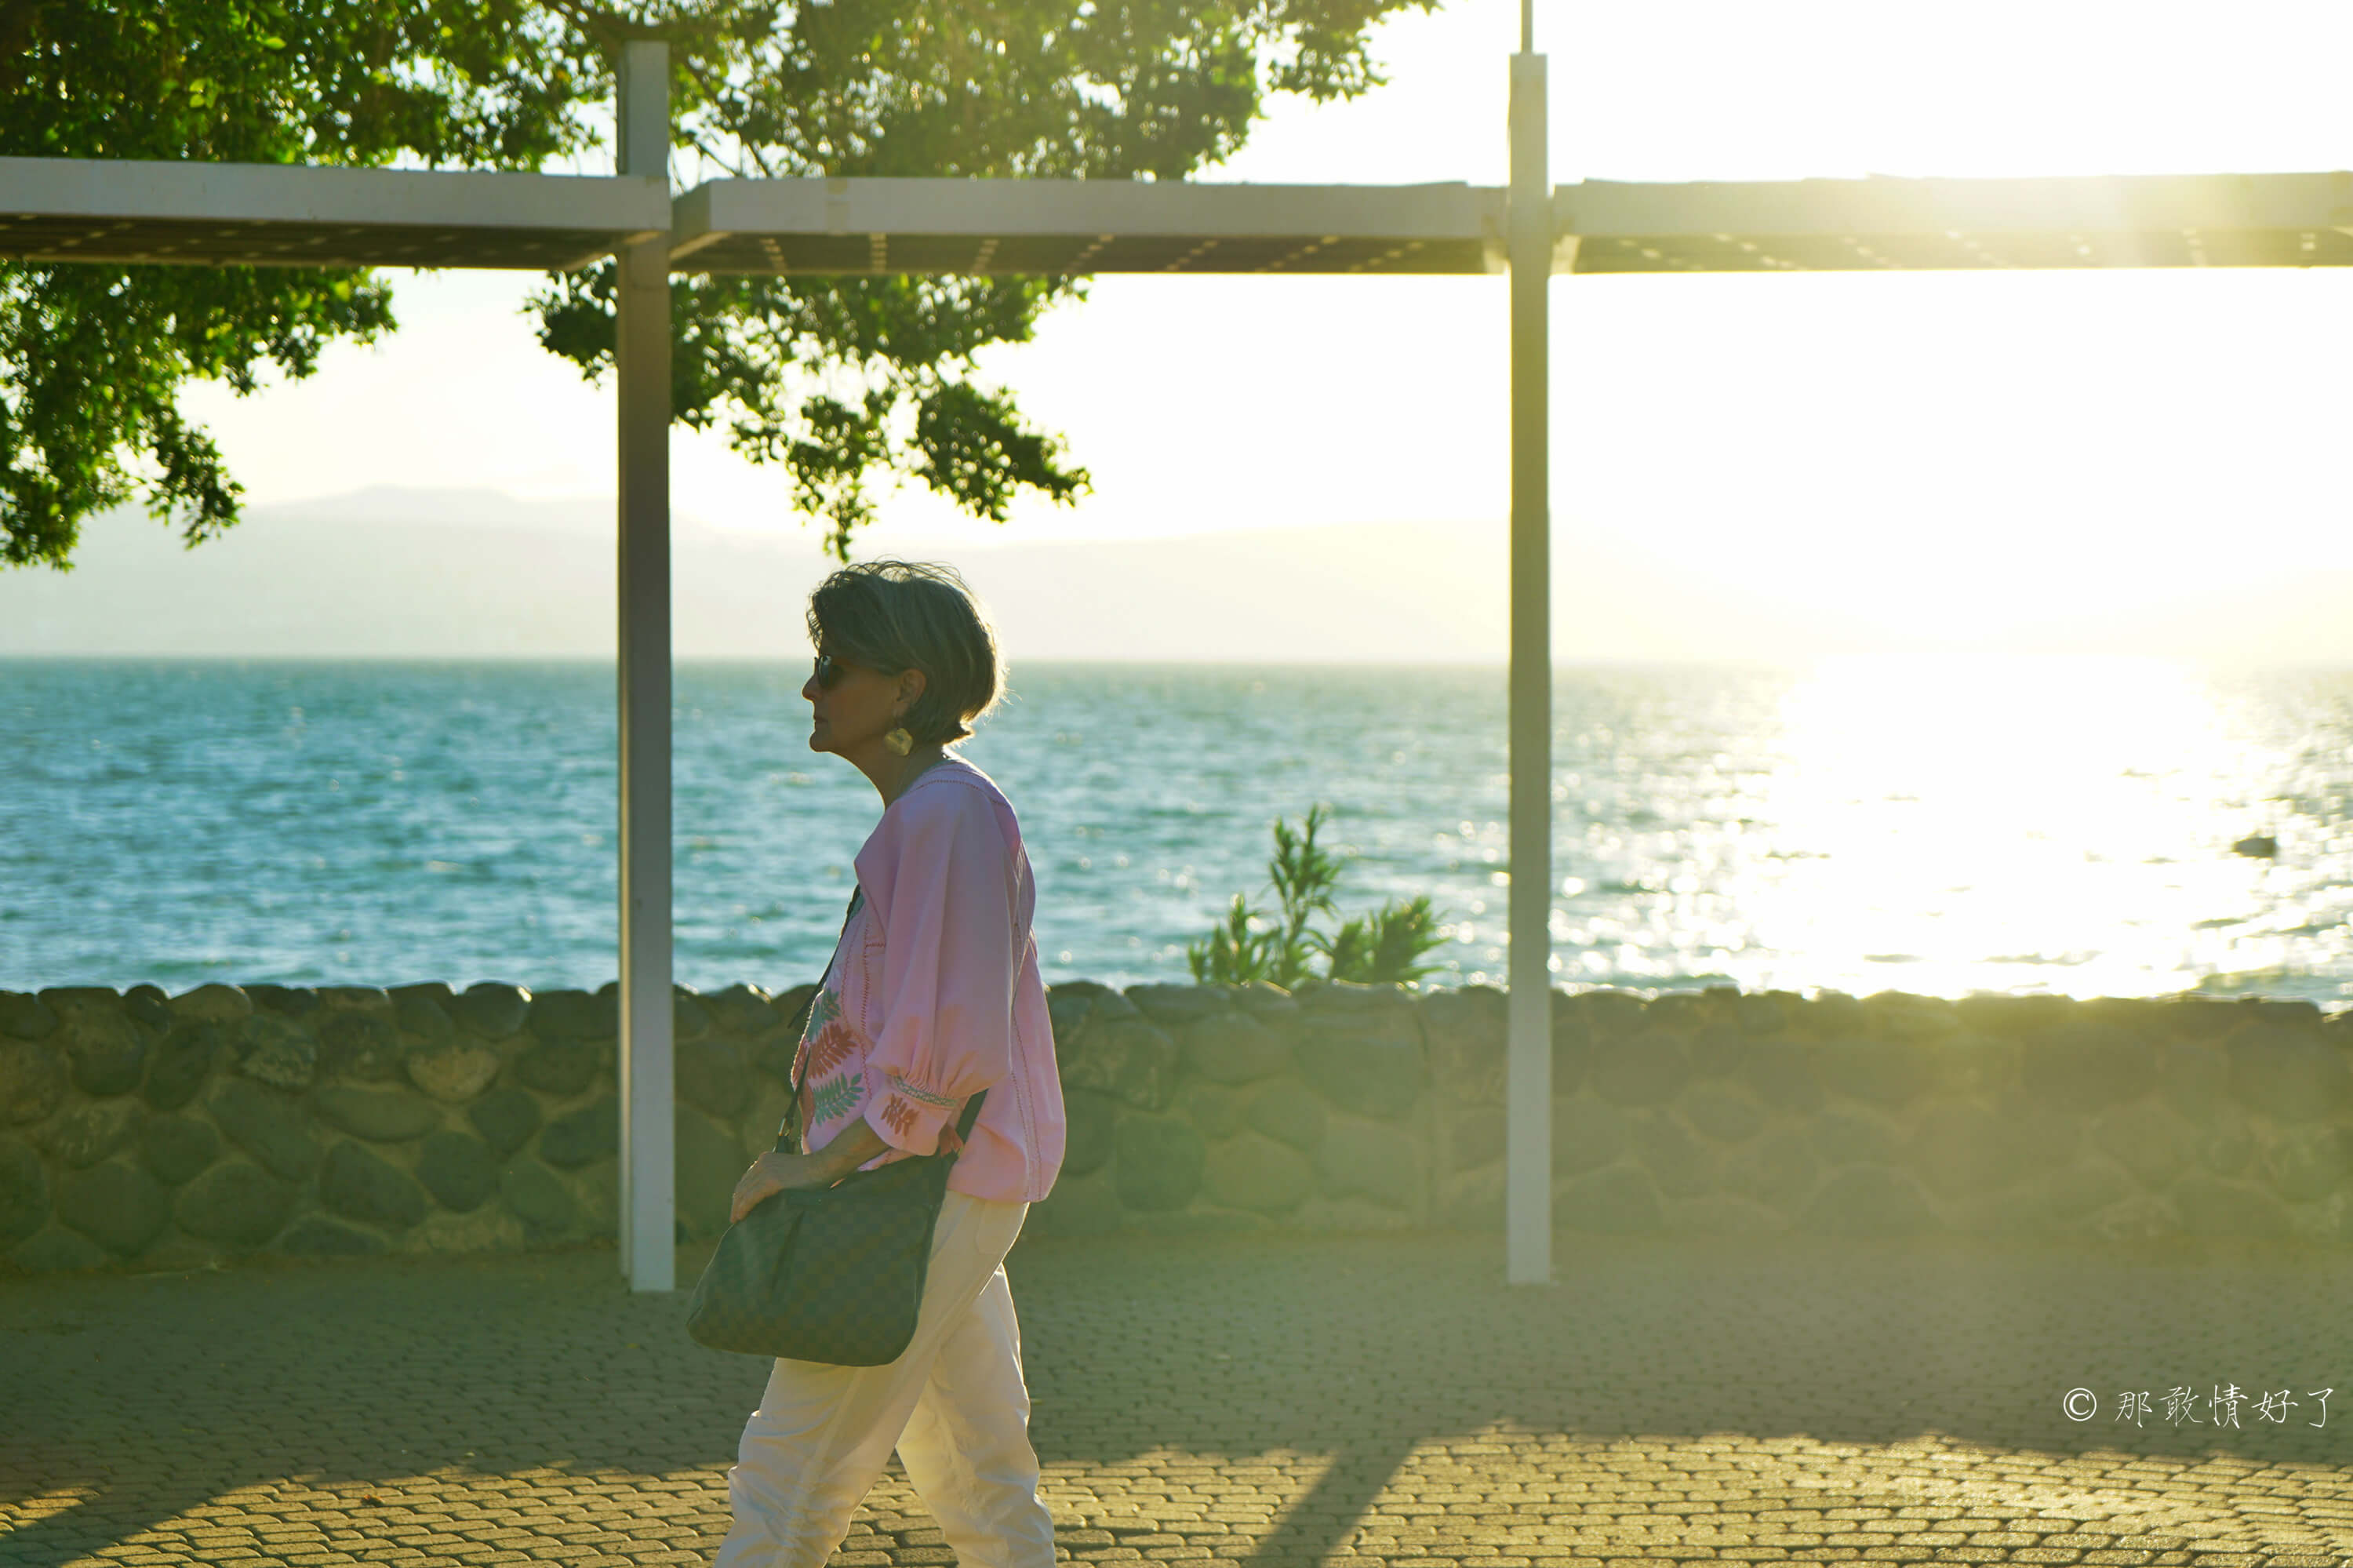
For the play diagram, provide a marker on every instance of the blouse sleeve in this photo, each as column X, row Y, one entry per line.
column 945, row 1001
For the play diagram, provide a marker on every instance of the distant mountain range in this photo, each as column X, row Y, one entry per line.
column 477, row 574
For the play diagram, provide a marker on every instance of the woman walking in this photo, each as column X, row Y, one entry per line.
column 933, row 996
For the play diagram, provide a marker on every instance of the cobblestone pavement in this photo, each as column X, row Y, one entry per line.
column 1271, row 1401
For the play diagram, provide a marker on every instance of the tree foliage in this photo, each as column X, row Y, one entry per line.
column 835, row 379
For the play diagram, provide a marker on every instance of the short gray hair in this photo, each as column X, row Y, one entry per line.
column 895, row 616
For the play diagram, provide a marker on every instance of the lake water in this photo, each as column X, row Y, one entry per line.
column 1933, row 826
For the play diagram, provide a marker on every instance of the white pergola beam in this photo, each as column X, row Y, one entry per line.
column 2116, row 220
column 1009, row 226
column 96, row 211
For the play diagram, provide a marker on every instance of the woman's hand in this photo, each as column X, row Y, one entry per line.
column 771, row 1173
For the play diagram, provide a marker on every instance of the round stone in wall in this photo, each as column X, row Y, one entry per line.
column 180, row 1062
column 506, row 1118
column 106, row 1053
column 451, row 1071
column 86, row 1133
column 1159, row 1162
column 562, row 1069
column 462, row 1173
column 380, row 1116
column 360, row 1184
column 493, row 1010
column 1254, row 1172
column 117, row 1205
column 583, row 1137
column 538, row 1198
column 213, row 1004
column 354, row 1044
column 24, row 1192
column 237, row 1204
column 267, row 1125
column 315, row 1235
column 32, row 1081
column 178, row 1148
column 25, row 1017
column 275, row 1052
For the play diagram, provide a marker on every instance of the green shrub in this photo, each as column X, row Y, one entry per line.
column 1385, row 946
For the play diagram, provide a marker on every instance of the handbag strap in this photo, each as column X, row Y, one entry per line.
column 800, row 1019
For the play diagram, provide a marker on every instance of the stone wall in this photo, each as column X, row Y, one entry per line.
column 169, row 1131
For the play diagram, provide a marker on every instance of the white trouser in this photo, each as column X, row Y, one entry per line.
column 954, row 1405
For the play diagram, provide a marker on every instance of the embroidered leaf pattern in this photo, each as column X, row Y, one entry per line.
column 899, row 1114
column 822, row 1011
column 835, row 1097
column 835, row 1046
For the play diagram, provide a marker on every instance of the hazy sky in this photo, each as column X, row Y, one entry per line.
column 1928, row 449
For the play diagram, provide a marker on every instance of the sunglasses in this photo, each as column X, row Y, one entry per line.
column 829, row 671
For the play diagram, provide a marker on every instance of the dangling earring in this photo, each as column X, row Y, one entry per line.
column 899, row 741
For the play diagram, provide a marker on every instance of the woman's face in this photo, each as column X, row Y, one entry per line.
column 853, row 715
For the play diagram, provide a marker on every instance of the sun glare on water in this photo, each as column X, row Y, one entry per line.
column 1987, row 822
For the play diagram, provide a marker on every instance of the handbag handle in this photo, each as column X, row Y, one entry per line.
column 800, row 1019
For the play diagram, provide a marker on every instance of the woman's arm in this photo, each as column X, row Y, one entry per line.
column 779, row 1169
column 852, row 1147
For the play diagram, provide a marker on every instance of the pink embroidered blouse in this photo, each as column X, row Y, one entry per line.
column 933, row 995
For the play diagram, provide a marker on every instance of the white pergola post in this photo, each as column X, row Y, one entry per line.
column 1527, row 1186
column 648, row 1205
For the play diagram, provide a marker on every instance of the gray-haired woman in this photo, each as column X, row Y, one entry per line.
column 933, row 995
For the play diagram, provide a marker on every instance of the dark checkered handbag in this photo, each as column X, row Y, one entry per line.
column 828, row 1274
